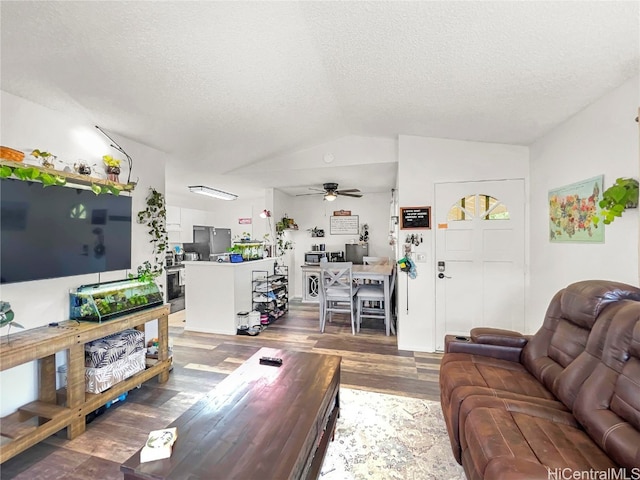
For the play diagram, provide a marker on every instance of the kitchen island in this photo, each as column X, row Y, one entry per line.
column 215, row 292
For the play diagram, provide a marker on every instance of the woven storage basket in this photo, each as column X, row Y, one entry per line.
column 7, row 153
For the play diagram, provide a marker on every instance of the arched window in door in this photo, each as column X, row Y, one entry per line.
column 484, row 207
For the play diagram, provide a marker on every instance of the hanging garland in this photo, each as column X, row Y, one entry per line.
column 154, row 217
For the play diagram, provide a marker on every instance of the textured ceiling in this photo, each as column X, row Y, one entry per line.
column 223, row 85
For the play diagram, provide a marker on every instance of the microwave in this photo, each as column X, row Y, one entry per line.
column 313, row 258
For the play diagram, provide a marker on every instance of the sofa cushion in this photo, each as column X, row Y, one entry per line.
column 567, row 324
column 496, row 435
column 608, row 402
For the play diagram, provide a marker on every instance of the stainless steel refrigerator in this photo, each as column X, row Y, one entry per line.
column 216, row 240
column 354, row 252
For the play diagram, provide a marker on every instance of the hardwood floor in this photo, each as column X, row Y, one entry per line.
column 370, row 361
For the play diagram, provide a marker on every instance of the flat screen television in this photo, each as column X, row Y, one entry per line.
column 61, row 231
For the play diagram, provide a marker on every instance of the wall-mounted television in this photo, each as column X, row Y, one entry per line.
column 61, row 231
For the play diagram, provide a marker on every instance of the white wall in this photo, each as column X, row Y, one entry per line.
column 601, row 139
column 26, row 126
column 423, row 162
column 313, row 211
column 225, row 214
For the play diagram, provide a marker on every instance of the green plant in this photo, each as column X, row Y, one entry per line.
column 109, row 161
column 617, row 198
column 7, row 316
column 29, row 174
column 282, row 244
column 47, row 157
column 34, row 174
column 154, row 217
column 146, row 272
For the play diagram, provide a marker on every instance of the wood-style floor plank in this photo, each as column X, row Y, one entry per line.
column 371, row 361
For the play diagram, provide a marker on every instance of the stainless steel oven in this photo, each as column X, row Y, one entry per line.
column 174, row 289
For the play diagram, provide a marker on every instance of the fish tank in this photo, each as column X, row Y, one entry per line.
column 104, row 301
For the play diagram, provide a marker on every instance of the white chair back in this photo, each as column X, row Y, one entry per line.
column 376, row 260
column 336, row 275
column 336, row 291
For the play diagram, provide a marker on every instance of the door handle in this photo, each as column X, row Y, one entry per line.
column 442, row 275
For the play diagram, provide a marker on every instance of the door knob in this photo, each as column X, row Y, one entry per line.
column 442, row 275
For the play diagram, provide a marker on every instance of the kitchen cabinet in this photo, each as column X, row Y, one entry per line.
column 173, row 215
column 216, row 292
column 173, row 224
column 189, row 218
column 68, row 407
column 310, row 285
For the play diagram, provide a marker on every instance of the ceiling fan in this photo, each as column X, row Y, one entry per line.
column 331, row 192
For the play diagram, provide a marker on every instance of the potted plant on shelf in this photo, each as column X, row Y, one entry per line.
column 112, row 166
column 623, row 194
column 7, row 316
column 46, row 158
column 82, row 168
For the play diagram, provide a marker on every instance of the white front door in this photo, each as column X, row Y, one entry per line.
column 479, row 256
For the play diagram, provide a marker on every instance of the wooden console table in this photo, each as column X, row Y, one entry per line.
column 39, row 419
column 261, row 421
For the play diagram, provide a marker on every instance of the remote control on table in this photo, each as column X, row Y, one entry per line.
column 276, row 362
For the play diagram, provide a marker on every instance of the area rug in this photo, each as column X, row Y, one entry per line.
column 381, row 436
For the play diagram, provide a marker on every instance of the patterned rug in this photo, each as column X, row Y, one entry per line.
column 386, row 437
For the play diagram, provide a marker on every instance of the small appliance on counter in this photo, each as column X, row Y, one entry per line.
column 314, row 258
column 336, row 256
column 191, row 256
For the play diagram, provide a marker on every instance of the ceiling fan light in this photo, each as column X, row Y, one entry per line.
column 330, row 196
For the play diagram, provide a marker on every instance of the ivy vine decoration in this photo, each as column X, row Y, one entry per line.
column 36, row 174
column 282, row 244
column 30, row 174
column 154, row 217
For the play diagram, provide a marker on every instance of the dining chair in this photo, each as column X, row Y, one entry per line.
column 376, row 260
column 336, row 291
column 370, row 302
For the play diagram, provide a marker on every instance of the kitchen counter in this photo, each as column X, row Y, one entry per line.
column 215, row 292
column 227, row 264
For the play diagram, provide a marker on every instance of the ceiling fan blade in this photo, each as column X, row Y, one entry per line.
column 356, row 195
column 322, row 190
column 349, row 190
column 305, row 194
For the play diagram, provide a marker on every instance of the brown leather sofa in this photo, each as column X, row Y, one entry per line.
column 564, row 400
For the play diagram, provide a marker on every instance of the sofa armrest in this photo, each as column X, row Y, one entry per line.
column 497, row 336
column 459, row 344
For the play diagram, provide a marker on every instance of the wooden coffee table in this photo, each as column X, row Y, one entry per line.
column 261, row 422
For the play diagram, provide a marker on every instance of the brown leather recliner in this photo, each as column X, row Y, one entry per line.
column 485, row 398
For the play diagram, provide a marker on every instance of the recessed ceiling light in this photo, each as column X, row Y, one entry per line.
column 328, row 157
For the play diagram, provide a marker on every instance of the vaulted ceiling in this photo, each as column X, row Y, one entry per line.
column 223, row 86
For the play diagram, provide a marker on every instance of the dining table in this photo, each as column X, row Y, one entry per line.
column 380, row 273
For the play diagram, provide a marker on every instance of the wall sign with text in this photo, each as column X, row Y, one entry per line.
column 415, row 217
column 344, row 225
